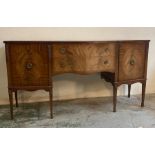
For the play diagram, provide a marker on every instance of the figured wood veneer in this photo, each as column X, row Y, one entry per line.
column 83, row 57
column 32, row 64
column 29, row 64
column 131, row 61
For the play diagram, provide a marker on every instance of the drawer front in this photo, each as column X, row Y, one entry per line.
column 28, row 64
column 131, row 61
column 83, row 57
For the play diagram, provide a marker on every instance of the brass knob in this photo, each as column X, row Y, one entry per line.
column 29, row 66
column 132, row 62
column 62, row 50
column 106, row 49
column 106, row 62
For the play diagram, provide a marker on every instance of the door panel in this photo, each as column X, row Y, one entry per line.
column 28, row 64
column 131, row 61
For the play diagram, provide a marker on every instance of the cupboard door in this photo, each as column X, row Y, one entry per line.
column 131, row 61
column 28, row 63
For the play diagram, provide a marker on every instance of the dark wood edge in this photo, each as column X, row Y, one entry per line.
column 78, row 72
column 8, row 64
column 50, row 67
column 146, row 59
column 84, row 41
column 130, row 82
column 30, row 88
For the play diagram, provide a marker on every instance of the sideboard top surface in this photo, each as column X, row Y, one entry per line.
column 115, row 41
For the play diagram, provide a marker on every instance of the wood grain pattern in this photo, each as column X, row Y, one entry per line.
column 131, row 61
column 32, row 64
column 29, row 65
column 83, row 57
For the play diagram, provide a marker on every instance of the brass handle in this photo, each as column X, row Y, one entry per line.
column 62, row 50
column 106, row 62
column 29, row 66
column 132, row 62
column 106, row 49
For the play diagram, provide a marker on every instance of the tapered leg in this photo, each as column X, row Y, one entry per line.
column 143, row 93
column 114, row 97
column 11, row 103
column 51, row 103
column 129, row 89
column 16, row 98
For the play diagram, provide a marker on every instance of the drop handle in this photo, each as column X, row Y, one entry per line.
column 29, row 66
column 132, row 62
column 63, row 50
column 106, row 49
column 105, row 62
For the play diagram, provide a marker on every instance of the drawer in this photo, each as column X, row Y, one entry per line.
column 29, row 64
column 102, row 58
column 83, row 57
column 101, row 64
column 64, row 65
column 131, row 61
column 82, row 49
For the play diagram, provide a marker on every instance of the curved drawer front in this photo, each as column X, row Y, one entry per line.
column 131, row 61
column 28, row 64
column 83, row 57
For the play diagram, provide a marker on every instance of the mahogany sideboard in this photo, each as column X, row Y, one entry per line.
column 32, row 64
